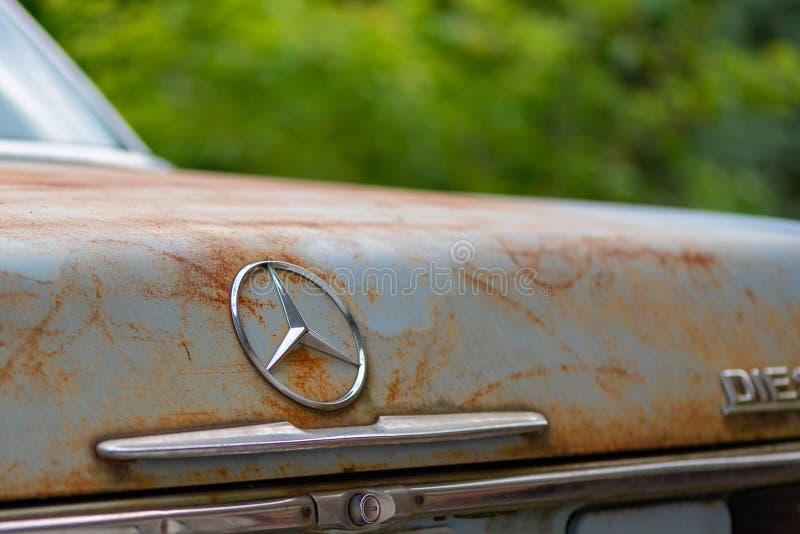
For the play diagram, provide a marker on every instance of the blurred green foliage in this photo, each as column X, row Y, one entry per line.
column 664, row 101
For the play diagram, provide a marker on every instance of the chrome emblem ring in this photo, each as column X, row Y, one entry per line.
column 300, row 333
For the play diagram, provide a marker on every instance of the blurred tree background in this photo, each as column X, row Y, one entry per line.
column 662, row 101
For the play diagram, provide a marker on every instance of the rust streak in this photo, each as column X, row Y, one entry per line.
column 186, row 348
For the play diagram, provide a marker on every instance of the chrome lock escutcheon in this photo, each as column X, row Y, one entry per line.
column 365, row 509
column 360, row 508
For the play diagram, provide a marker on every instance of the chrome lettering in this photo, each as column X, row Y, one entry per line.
column 770, row 389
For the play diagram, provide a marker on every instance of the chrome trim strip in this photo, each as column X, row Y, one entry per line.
column 290, row 513
column 285, row 437
column 46, row 152
column 580, row 483
column 612, row 481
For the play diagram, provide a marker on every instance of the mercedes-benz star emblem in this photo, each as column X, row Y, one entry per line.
column 299, row 334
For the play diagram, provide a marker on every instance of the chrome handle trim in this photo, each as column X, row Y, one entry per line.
column 285, row 437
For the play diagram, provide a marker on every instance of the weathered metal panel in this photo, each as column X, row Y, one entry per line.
column 114, row 320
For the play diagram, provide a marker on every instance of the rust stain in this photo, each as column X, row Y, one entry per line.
column 97, row 287
column 6, row 370
column 750, row 296
column 186, row 348
column 393, row 389
column 618, row 372
column 702, row 260
column 30, row 357
column 633, row 311
column 310, row 375
column 491, row 388
column 487, row 390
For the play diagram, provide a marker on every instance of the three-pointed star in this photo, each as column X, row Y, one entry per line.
column 299, row 333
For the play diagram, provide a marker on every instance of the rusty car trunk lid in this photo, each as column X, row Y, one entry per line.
column 612, row 321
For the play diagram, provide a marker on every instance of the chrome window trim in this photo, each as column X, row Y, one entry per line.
column 47, row 152
column 634, row 479
column 85, row 88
